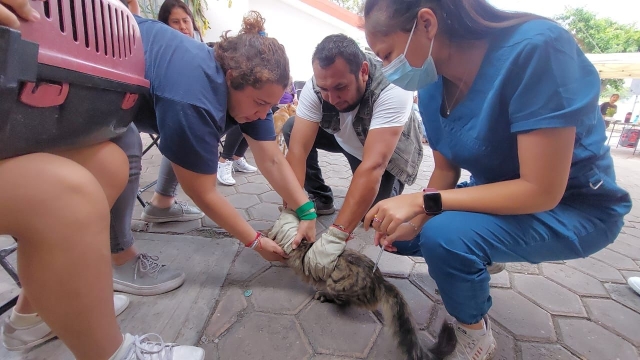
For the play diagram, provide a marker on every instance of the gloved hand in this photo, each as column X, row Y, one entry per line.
column 321, row 258
column 285, row 229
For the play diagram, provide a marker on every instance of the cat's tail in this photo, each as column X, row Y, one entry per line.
column 397, row 316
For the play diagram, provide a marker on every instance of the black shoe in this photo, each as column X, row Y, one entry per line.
column 323, row 208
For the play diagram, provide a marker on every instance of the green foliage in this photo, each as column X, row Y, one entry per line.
column 351, row 5
column 601, row 35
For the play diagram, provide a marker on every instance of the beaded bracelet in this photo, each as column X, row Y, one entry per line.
column 256, row 242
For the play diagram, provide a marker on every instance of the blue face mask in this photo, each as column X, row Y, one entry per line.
column 400, row 73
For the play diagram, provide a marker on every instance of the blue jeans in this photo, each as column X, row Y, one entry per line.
column 458, row 246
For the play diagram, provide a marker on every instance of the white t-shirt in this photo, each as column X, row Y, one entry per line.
column 393, row 107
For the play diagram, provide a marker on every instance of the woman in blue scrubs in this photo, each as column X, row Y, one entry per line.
column 511, row 98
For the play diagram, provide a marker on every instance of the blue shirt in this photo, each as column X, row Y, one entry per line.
column 188, row 99
column 533, row 76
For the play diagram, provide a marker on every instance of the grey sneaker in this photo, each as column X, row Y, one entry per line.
column 323, row 208
column 16, row 338
column 179, row 211
column 495, row 268
column 145, row 276
column 152, row 347
column 474, row 345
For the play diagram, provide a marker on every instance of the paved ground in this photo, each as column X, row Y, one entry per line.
column 580, row 309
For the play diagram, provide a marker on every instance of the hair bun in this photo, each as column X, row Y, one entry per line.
column 253, row 23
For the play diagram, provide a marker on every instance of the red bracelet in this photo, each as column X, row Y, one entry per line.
column 255, row 242
column 341, row 228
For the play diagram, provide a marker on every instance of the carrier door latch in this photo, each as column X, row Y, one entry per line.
column 44, row 94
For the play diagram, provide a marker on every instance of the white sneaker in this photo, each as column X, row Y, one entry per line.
column 151, row 347
column 634, row 282
column 474, row 344
column 225, row 173
column 17, row 338
column 243, row 166
column 496, row 268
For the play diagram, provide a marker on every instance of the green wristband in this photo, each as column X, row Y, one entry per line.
column 310, row 215
column 304, row 209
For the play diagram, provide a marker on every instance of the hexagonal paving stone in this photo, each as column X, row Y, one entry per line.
column 579, row 335
column 243, row 201
column 419, row 303
column 579, row 283
column 247, row 264
column 506, row 344
column 252, row 188
column 226, row 313
column 226, row 191
column 616, row 318
column 630, row 250
column 628, row 274
column 597, row 269
column 386, row 347
column 549, row 295
column 500, row 280
column 339, row 331
column 616, row 260
column 280, row 291
column 624, row 295
column 390, row 264
column 360, row 239
column 265, row 211
column 521, row 317
column 265, row 336
column 440, row 316
column 339, row 191
column 534, row 351
column 420, row 276
column 271, row 197
column 260, row 225
column 176, row 227
column 257, row 179
column 207, row 222
column 523, row 268
column 240, row 179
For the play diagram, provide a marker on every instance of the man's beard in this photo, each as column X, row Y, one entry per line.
column 353, row 106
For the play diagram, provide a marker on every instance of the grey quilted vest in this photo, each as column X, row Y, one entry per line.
column 407, row 156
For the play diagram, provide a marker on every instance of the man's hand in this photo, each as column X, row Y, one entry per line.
column 307, row 230
column 321, row 258
column 20, row 7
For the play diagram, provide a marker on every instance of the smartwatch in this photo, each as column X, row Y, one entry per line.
column 431, row 201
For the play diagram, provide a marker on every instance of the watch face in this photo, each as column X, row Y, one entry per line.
column 432, row 202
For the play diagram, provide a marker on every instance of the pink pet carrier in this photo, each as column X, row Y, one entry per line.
column 71, row 79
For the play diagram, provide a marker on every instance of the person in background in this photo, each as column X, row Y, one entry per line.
column 609, row 108
column 627, row 118
column 290, row 96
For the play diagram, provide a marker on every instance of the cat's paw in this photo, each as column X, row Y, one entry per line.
column 322, row 297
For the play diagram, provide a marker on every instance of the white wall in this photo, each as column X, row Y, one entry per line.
column 296, row 25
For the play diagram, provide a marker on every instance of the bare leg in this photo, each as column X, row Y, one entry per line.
column 66, row 252
column 92, row 159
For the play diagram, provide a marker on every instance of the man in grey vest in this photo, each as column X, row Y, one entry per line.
column 349, row 107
